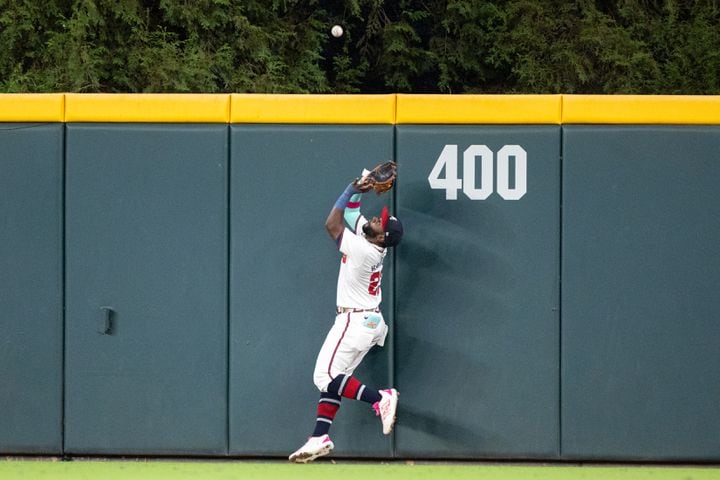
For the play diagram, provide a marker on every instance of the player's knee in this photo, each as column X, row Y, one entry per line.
column 321, row 380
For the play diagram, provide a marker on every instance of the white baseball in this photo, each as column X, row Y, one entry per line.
column 337, row 31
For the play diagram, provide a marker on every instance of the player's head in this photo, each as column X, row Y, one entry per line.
column 392, row 228
column 385, row 230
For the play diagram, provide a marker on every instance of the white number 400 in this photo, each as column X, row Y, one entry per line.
column 448, row 160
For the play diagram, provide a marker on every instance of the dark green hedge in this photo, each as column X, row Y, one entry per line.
column 421, row 46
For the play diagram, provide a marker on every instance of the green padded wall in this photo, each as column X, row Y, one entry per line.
column 477, row 294
column 196, row 300
column 640, row 330
column 284, row 269
column 147, row 238
column 31, row 163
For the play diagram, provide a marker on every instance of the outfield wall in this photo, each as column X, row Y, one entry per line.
column 167, row 280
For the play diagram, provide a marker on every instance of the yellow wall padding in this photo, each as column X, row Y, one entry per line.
column 478, row 109
column 160, row 108
column 32, row 107
column 333, row 109
column 362, row 109
column 641, row 109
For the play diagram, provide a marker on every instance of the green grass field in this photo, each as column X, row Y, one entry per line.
column 340, row 469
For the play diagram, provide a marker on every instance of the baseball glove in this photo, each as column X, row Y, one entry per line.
column 383, row 177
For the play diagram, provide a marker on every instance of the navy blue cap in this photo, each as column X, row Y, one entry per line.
column 392, row 227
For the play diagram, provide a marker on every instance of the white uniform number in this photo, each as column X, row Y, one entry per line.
column 481, row 156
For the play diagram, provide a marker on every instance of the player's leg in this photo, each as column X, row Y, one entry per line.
column 357, row 341
column 386, row 406
column 342, row 352
column 328, row 406
column 345, row 385
column 319, row 443
column 384, row 402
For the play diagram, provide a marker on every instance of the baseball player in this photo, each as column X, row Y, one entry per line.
column 359, row 324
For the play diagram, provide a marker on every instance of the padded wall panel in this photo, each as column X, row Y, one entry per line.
column 31, row 318
column 284, row 269
column 477, row 293
column 640, row 356
column 146, row 253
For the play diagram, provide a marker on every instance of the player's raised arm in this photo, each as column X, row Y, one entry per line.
column 352, row 211
column 335, row 221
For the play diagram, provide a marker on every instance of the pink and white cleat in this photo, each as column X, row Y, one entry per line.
column 315, row 447
column 386, row 408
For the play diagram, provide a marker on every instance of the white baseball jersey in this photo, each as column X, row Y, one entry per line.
column 361, row 268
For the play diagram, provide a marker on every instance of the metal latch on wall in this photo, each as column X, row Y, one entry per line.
column 106, row 320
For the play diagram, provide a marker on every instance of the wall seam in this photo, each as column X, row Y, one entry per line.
column 63, row 284
column 227, row 288
column 559, row 297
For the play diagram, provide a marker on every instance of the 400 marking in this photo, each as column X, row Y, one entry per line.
column 448, row 160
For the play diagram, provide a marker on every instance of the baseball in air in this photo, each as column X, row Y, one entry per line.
column 337, row 31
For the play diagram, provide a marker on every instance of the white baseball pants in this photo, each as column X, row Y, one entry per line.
column 351, row 337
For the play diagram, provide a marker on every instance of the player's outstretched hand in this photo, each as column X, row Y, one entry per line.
column 364, row 183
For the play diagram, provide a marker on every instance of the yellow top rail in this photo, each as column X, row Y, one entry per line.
column 641, row 109
column 153, row 108
column 389, row 109
column 35, row 107
column 479, row 109
column 261, row 108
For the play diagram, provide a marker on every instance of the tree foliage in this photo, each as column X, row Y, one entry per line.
column 422, row 46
